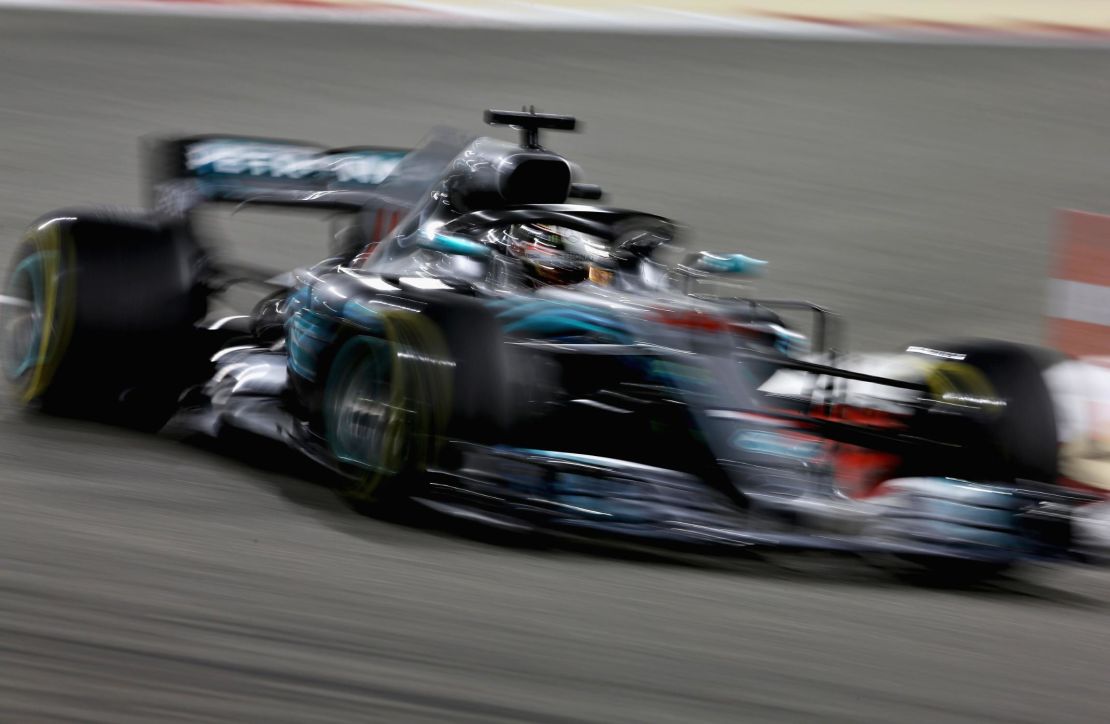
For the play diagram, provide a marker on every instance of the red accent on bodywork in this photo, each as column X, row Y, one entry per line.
column 860, row 472
column 692, row 319
column 1083, row 487
column 861, row 416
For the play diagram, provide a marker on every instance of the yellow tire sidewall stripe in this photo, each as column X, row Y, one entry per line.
column 59, row 298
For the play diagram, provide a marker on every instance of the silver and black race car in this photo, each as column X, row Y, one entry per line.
column 480, row 345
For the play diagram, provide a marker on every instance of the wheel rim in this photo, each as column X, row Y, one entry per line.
column 23, row 318
column 367, row 423
column 39, row 312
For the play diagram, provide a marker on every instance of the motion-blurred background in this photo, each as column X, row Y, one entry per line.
column 909, row 181
column 913, row 187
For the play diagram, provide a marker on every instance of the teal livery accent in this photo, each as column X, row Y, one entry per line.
column 456, row 245
column 616, row 498
column 230, row 162
column 560, row 321
column 687, row 376
column 358, row 313
column 767, row 442
column 730, row 263
column 309, row 334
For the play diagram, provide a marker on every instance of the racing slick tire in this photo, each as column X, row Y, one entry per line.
column 99, row 315
column 1002, row 412
column 999, row 414
column 391, row 399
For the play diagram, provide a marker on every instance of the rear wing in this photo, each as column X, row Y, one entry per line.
column 182, row 173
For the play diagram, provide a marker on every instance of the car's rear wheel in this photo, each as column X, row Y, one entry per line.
column 99, row 314
column 995, row 407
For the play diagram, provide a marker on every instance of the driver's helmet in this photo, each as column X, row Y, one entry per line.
column 548, row 255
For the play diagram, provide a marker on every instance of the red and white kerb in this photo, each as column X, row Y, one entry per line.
column 1079, row 291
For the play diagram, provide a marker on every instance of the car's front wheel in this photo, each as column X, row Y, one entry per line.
column 386, row 405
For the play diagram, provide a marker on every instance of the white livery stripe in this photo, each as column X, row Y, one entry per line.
column 1079, row 302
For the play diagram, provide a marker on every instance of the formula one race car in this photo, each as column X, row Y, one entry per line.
column 480, row 346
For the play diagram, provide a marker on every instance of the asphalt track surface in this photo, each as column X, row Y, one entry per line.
column 144, row 579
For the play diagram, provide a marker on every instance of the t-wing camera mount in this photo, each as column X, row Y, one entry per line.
column 529, row 123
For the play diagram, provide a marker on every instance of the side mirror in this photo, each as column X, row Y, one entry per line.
column 455, row 245
column 710, row 263
column 585, row 191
